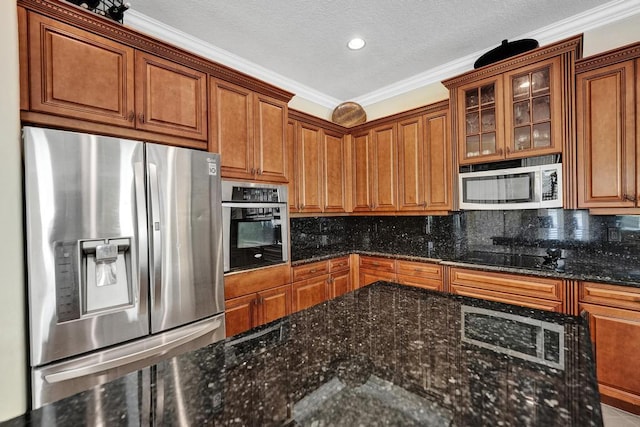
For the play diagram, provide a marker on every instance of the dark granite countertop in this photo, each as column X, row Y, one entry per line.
column 382, row 355
column 574, row 269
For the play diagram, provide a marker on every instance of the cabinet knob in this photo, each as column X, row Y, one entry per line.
column 508, row 150
column 253, row 171
column 132, row 116
column 259, row 171
column 141, row 117
column 629, row 198
column 302, row 206
column 500, row 151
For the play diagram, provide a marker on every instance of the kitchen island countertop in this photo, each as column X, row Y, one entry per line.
column 381, row 355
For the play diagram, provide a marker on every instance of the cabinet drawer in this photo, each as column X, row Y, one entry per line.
column 339, row 264
column 367, row 277
column 420, row 269
column 306, row 271
column 537, row 287
column 537, row 303
column 610, row 295
column 380, row 264
column 420, row 282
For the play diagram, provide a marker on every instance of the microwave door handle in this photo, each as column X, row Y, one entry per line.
column 141, row 211
column 156, row 236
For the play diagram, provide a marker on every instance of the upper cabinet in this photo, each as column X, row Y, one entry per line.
column 249, row 130
column 517, row 107
column 318, row 154
column 83, row 72
column 375, row 165
column 424, row 161
column 607, row 111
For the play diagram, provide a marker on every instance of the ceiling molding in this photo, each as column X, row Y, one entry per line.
column 169, row 34
column 602, row 15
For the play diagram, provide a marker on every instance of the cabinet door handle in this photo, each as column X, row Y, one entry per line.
column 629, row 198
column 253, row 171
column 500, row 151
column 141, row 117
column 302, row 206
column 132, row 116
column 259, row 171
column 508, row 150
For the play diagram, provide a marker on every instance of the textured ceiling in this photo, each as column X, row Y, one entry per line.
column 305, row 40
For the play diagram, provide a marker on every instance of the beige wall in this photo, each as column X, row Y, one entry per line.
column 13, row 357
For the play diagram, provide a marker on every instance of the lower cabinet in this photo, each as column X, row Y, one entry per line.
column 614, row 322
column 372, row 269
column 317, row 282
column 528, row 291
column 249, row 311
column 419, row 274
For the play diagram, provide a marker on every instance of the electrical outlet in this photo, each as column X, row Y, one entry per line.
column 613, row 234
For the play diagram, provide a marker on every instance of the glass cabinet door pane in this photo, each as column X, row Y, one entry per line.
column 540, row 81
column 471, row 98
column 487, row 94
column 488, row 143
column 521, row 86
column 473, row 146
column 521, row 113
column 488, row 120
column 473, row 125
column 522, row 138
column 541, row 109
column 542, row 135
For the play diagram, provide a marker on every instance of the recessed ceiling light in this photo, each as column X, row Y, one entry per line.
column 356, row 43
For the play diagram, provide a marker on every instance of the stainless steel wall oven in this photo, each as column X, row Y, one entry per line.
column 255, row 222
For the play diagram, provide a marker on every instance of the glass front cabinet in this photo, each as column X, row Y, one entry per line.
column 514, row 108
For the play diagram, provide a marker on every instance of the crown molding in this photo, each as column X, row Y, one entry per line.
column 593, row 18
column 145, row 24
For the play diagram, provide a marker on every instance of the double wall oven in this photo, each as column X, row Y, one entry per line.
column 255, row 222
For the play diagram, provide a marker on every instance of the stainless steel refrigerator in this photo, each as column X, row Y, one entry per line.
column 124, row 256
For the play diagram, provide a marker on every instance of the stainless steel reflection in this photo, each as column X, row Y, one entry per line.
column 80, row 187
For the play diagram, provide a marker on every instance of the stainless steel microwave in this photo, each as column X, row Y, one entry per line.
column 255, row 225
column 527, row 187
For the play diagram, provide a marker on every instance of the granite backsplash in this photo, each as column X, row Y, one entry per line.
column 580, row 236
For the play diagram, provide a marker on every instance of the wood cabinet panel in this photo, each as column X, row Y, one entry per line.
column 438, row 161
column 420, row 282
column 376, row 263
column 610, row 295
column 293, row 167
column 251, row 281
column 411, row 176
column 305, row 271
column 339, row 264
column 334, row 174
column 615, row 334
column 270, row 147
column 274, row 304
column 606, row 137
column 537, row 287
column 384, row 168
column 339, row 284
column 537, row 303
column 80, row 75
column 362, row 180
column 170, row 98
column 421, row 269
column 309, row 292
column 231, row 127
column 309, row 150
column 367, row 276
column 239, row 314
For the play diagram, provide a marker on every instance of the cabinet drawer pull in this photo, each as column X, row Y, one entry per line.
column 312, row 270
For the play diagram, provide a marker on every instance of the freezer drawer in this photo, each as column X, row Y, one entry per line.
column 59, row 380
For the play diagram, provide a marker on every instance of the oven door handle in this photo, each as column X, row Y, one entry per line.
column 253, row 205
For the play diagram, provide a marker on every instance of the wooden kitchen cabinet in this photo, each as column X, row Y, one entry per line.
column 249, row 311
column 614, row 323
column 78, row 74
column 607, row 141
column 419, row 274
column 424, row 161
column 517, row 107
column 81, row 75
column 375, row 169
column 249, row 131
column 319, row 159
column 528, row 291
column 371, row 269
column 170, row 98
column 317, row 282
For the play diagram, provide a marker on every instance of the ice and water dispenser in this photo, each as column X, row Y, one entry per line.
column 93, row 276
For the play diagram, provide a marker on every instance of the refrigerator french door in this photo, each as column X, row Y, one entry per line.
column 124, row 256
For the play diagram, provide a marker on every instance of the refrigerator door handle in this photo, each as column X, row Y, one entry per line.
column 156, row 233
column 116, row 362
column 141, row 210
